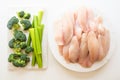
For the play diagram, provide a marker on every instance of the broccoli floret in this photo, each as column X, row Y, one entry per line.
column 26, row 24
column 19, row 59
column 17, row 50
column 23, row 45
column 21, row 14
column 19, row 63
column 28, row 49
column 27, row 16
column 11, row 43
column 13, row 56
column 19, row 35
column 17, row 47
column 13, row 23
column 25, row 58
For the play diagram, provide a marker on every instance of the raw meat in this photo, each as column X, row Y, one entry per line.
column 81, row 37
column 82, row 18
column 74, row 50
column 83, row 46
column 67, row 26
column 58, row 33
column 93, row 46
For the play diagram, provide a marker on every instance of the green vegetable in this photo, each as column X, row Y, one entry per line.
column 29, row 38
column 23, row 45
column 28, row 49
column 18, row 43
column 19, row 35
column 33, row 59
column 38, row 57
column 36, row 37
column 37, row 41
column 26, row 24
column 19, row 63
column 17, row 46
column 11, row 43
column 27, row 16
column 35, row 21
column 19, row 59
column 25, row 58
column 12, row 57
column 21, row 14
column 40, row 15
column 13, row 23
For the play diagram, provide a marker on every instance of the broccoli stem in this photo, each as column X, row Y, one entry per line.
column 40, row 15
column 38, row 56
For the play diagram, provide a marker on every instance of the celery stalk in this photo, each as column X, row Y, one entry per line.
column 40, row 15
column 33, row 58
column 35, row 19
column 38, row 56
column 37, row 42
column 29, row 38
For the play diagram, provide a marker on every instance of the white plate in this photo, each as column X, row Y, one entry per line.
column 75, row 66
column 33, row 11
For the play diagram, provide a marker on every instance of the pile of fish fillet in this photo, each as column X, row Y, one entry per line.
column 81, row 37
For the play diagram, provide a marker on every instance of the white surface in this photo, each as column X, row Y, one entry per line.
column 111, row 71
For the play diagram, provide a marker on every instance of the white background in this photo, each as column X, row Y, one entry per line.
column 111, row 71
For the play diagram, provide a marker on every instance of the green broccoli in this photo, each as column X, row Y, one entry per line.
column 23, row 45
column 27, row 16
column 19, row 59
column 26, row 24
column 19, row 63
column 15, row 44
column 13, row 56
column 25, row 58
column 28, row 49
column 18, row 46
column 19, row 35
column 21, row 14
column 11, row 43
column 13, row 23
